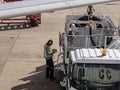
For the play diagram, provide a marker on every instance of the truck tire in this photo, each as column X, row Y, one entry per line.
column 118, row 86
column 61, row 75
column 62, row 88
column 33, row 23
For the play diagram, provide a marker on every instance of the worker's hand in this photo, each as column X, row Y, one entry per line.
column 54, row 50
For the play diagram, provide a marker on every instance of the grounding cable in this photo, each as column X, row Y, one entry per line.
column 10, row 51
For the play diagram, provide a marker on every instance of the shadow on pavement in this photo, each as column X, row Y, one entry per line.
column 37, row 81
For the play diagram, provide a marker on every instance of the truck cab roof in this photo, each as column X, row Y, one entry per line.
column 95, row 56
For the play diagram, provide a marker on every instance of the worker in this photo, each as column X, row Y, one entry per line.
column 48, row 54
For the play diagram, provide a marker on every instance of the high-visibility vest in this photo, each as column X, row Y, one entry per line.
column 48, row 52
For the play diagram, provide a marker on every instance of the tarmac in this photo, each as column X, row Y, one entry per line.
column 21, row 51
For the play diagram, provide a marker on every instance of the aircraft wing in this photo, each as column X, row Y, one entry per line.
column 28, row 7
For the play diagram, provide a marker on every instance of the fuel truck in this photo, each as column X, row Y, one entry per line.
column 88, row 62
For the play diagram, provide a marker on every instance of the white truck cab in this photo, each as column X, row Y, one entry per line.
column 88, row 69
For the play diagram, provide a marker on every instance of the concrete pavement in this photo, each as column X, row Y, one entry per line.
column 21, row 51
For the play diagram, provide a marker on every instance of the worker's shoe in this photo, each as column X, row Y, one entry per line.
column 52, row 79
column 31, row 83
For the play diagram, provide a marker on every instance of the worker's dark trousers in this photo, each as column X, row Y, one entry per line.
column 49, row 68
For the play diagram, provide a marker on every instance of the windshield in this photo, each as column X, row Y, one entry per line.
column 94, row 75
